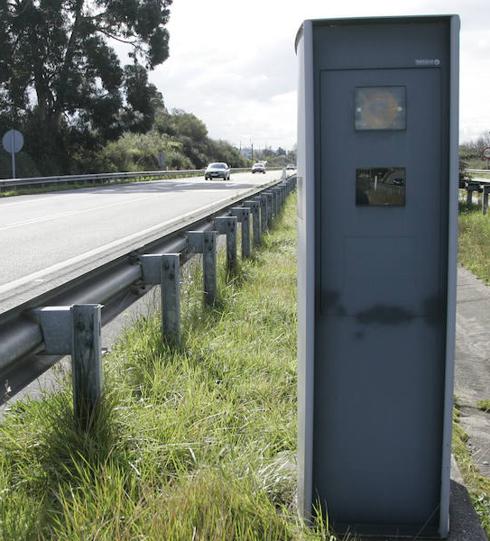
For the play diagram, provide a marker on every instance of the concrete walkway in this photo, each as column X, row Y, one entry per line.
column 472, row 380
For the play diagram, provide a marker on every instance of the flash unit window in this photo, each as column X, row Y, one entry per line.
column 380, row 108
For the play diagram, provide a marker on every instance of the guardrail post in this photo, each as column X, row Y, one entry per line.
column 267, row 210
column 170, row 293
column 277, row 198
column 204, row 242
column 243, row 215
column 86, row 359
column 164, row 270
column 227, row 225
column 76, row 331
column 263, row 213
column 272, row 197
column 254, row 207
column 270, row 208
column 484, row 204
column 469, row 196
column 281, row 194
column 209, row 266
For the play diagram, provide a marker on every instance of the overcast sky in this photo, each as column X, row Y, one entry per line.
column 232, row 63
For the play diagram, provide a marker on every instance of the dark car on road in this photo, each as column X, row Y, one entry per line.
column 217, row 170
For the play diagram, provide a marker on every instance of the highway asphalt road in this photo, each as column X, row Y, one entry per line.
column 47, row 239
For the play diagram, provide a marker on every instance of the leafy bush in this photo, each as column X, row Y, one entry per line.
column 140, row 151
column 24, row 165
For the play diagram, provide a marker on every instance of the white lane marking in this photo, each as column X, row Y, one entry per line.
column 67, row 213
column 23, row 202
column 39, row 275
column 86, row 191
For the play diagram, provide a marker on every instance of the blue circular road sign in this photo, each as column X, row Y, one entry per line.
column 13, row 141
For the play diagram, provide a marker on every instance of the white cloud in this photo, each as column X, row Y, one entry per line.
column 233, row 63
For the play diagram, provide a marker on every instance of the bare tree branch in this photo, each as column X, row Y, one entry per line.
column 112, row 36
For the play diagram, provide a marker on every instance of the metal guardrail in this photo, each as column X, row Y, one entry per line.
column 67, row 320
column 478, row 170
column 107, row 177
column 479, row 187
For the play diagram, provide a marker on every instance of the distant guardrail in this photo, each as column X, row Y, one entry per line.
column 67, row 320
column 479, row 186
column 108, row 177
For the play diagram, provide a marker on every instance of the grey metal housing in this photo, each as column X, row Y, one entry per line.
column 377, row 231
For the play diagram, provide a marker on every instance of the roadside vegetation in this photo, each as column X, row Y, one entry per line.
column 483, row 405
column 474, row 241
column 471, row 152
column 478, row 485
column 192, row 444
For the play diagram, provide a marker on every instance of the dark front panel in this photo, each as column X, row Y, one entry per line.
column 381, row 282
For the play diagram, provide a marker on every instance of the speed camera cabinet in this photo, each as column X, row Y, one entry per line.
column 377, row 210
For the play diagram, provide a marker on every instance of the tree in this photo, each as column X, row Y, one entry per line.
column 192, row 133
column 59, row 71
column 142, row 100
column 222, row 151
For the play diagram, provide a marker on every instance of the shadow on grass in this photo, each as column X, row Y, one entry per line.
column 43, row 444
column 67, row 443
column 465, row 208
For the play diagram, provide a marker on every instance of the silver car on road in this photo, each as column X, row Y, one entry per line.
column 217, row 170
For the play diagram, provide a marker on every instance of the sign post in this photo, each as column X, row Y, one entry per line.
column 12, row 142
column 161, row 159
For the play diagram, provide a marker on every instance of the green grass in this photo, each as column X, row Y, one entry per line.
column 474, row 241
column 193, row 444
column 478, row 486
column 483, row 405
